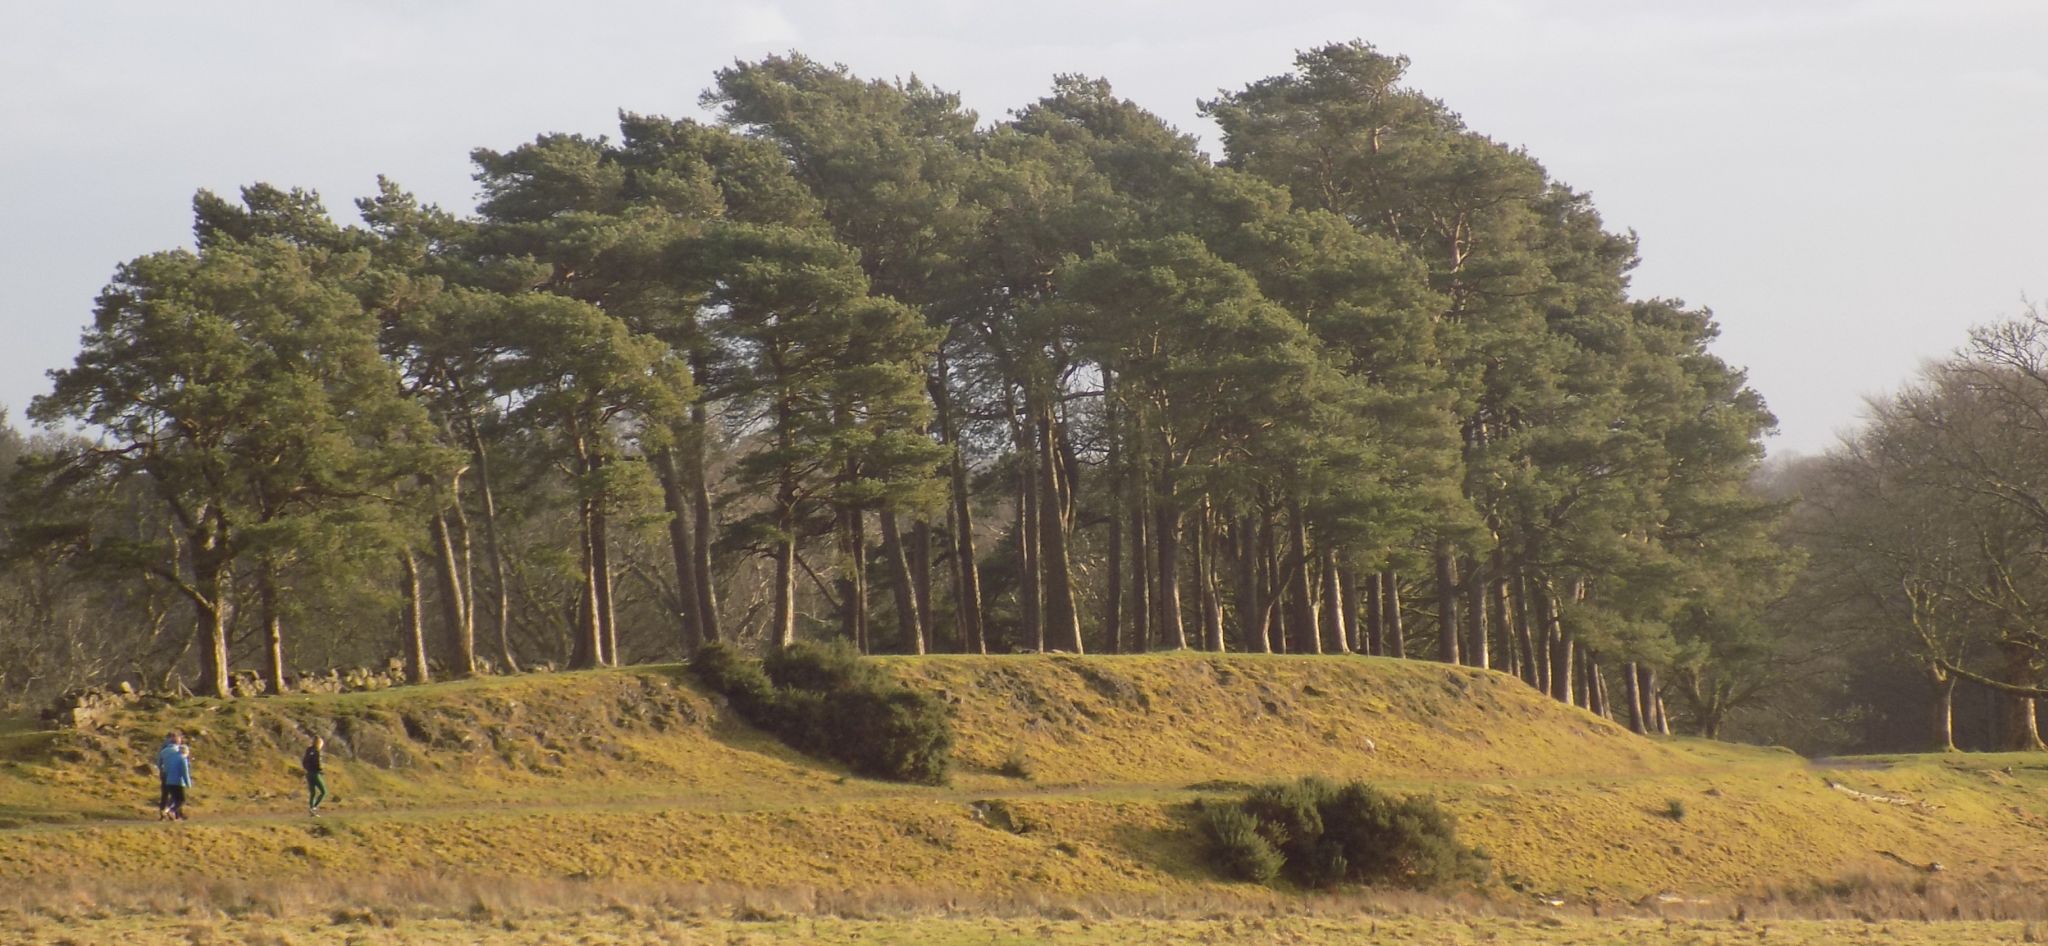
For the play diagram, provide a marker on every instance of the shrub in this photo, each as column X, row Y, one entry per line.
column 1321, row 834
column 819, row 667
column 826, row 700
column 724, row 669
column 1240, row 850
column 1674, row 809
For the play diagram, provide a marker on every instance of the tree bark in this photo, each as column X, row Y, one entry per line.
column 601, row 582
column 1944, row 691
column 966, row 570
column 1446, row 606
column 273, row 630
column 1167, row 591
column 501, row 592
column 682, row 549
column 1554, row 642
column 1251, row 608
column 1632, row 689
column 415, row 641
column 853, row 550
column 456, row 630
column 1205, row 579
column 587, row 650
column 1478, row 653
column 1141, row 565
column 1062, row 618
column 703, row 527
column 1375, row 635
column 1390, row 614
column 2022, row 727
column 1333, row 603
column 1301, row 614
column 905, row 588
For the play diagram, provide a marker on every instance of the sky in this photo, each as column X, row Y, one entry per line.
column 1850, row 185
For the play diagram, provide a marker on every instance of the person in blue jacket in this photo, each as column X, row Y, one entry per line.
column 174, row 766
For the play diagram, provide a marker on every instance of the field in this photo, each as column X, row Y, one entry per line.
column 633, row 806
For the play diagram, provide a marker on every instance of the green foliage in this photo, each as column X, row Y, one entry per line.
column 1239, row 849
column 826, row 700
column 1319, row 834
column 1674, row 809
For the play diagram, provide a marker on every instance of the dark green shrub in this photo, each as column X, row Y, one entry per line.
column 823, row 668
column 1237, row 846
column 893, row 733
column 1325, row 834
column 740, row 678
column 824, row 699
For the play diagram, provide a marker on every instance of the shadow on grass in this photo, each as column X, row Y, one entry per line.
column 1175, row 849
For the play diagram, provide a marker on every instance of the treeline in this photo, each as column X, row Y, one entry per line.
column 851, row 363
column 1926, row 540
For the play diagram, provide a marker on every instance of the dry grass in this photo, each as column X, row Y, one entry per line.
column 594, row 777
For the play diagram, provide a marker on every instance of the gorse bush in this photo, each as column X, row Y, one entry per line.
column 1317, row 833
column 825, row 699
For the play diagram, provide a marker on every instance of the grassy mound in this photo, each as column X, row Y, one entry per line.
column 1180, row 719
column 1071, row 774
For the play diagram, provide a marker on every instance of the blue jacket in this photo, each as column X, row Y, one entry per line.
column 176, row 769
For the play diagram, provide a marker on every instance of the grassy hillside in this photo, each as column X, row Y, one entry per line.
column 1075, row 776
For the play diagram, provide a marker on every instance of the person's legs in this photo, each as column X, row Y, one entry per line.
column 163, row 802
column 316, row 791
column 177, row 806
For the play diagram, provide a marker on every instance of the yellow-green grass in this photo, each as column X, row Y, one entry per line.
column 640, row 773
column 628, row 926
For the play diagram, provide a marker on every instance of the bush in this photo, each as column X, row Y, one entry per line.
column 822, row 668
column 1240, row 850
column 724, row 669
column 1321, row 834
column 826, row 700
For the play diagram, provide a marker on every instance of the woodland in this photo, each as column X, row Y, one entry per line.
column 848, row 361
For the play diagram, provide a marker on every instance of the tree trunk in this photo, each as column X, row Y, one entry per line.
column 966, row 570
column 1062, row 618
column 1535, row 661
column 501, row 592
column 1477, row 651
column 456, row 629
column 1333, row 603
column 1375, row 633
column 273, row 630
column 682, row 549
column 905, row 587
column 1632, row 689
column 1141, row 565
column 1205, row 579
column 704, row 527
column 601, row 578
column 1113, row 595
column 853, row 551
column 1500, row 608
column 2023, row 729
column 1301, row 608
column 1167, row 591
column 919, row 553
column 415, row 640
column 1944, row 689
column 1390, row 614
column 588, row 648
column 783, row 627
column 1554, row 642
column 1251, row 608
column 1446, row 606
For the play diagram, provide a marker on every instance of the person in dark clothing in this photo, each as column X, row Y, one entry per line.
column 316, row 786
column 174, row 768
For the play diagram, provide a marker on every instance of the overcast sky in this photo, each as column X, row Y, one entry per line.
column 1849, row 184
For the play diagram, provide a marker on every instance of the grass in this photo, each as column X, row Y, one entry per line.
column 641, row 773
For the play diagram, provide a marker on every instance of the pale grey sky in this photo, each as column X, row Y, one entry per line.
column 1849, row 184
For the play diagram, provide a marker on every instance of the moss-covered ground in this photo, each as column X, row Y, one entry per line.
column 1075, row 777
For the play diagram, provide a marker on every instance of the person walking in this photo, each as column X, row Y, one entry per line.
column 174, row 772
column 316, row 786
